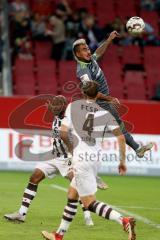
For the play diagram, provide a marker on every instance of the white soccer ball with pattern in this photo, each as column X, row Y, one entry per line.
column 135, row 25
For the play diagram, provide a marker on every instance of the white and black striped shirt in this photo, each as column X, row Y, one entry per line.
column 59, row 148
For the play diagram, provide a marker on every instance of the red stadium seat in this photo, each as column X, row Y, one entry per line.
column 135, row 85
column 24, row 66
column 105, row 12
column 111, row 55
column 131, row 55
column 136, row 91
column 24, row 77
column 48, row 88
column 67, row 72
column 151, row 60
column 43, row 7
column 117, row 90
column 134, row 76
column 46, row 66
column 88, row 4
column 153, row 77
column 104, row 19
column 46, row 77
column 68, row 79
column 113, row 73
column 152, row 56
column 25, row 85
column 125, row 8
column 43, row 50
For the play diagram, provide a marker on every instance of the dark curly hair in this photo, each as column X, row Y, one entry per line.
column 57, row 105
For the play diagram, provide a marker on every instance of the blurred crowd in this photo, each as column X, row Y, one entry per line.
column 150, row 5
column 64, row 25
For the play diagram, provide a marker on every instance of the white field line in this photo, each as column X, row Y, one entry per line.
column 139, row 207
column 59, row 187
column 138, row 217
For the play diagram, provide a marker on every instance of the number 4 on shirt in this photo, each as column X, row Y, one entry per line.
column 88, row 124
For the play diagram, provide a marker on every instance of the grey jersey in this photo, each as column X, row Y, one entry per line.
column 92, row 71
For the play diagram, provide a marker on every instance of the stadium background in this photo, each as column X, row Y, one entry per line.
column 30, row 66
column 132, row 69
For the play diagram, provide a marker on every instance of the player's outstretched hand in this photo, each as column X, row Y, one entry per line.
column 113, row 35
column 122, row 169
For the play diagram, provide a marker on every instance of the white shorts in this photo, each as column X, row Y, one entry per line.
column 84, row 180
column 56, row 166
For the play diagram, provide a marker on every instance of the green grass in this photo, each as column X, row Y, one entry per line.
column 46, row 210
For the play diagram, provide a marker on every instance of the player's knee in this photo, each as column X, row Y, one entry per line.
column 37, row 176
column 72, row 194
column 86, row 205
column 88, row 201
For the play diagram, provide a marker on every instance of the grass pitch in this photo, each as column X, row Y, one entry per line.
column 137, row 195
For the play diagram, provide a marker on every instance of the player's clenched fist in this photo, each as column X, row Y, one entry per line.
column 122, row 169
column 113, row 35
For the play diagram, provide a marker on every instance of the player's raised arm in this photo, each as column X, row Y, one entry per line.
column 102, row 48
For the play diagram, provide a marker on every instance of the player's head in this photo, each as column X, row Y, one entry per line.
column 90, row 89
column 58, row 105
column 81, row 50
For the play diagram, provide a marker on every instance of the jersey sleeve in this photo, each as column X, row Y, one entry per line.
column 67, row 120
column 84, row 75
column 95, row 57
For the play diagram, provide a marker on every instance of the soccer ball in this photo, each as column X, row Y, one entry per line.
column 135, row 25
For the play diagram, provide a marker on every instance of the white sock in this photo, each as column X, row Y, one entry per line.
column 116, row 216
column 28, row 196
column 23, row 210
column 69, row 213
column 87, row 214
column 63, row 227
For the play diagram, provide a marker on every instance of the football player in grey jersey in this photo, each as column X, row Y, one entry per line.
column 88, row 69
